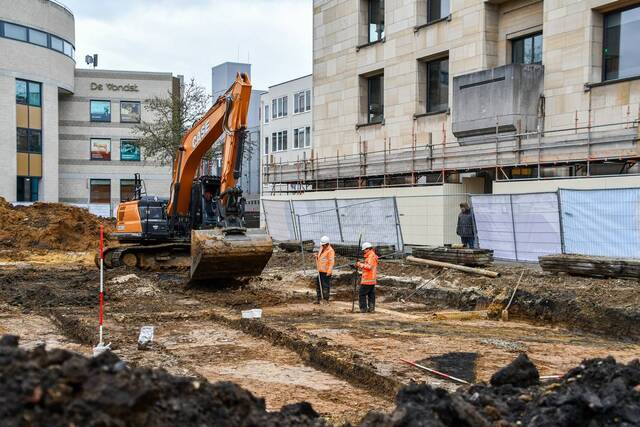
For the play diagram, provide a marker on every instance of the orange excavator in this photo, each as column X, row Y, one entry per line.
column 201, row 225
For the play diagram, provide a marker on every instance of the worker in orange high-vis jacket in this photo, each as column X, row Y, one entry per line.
column 325, row 260
column 369, row 271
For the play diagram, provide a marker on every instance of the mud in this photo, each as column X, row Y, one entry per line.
column 57, row 387
column 49, row 226
column 598, row 392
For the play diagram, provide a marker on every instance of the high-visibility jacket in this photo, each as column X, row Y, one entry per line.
column 369, row 268
column 325, row 259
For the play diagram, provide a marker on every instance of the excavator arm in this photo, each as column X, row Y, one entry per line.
column 228, row 115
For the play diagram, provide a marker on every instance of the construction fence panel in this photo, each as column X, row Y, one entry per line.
column 317, row 218
column 536, row 219
column 601, row 222
column 279, row 220
column 376, row 220
column 495, row 225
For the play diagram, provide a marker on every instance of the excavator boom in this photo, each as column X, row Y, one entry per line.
column 201, row 225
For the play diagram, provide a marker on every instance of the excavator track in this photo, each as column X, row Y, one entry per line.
column 160, row 257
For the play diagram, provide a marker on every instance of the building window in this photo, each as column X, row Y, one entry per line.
column 376, row 20
column 100, row 149
column 438, row 85
column 302, row 101
column 279, row 141
column 100, row 111
column 100, row 191
column 28, row 93
column 29, row 141
column 266, row 114
column 279, row 107
column 16, row 32
column 127, row 190
column 527, row 50
column 437, row 9
column 38, row 37
column 621, row 39
column 129, row 112
column 266, row 145
column 375, row 99
column 21, row 92
column 129, row 150
column 27, row 189
column 302, row 137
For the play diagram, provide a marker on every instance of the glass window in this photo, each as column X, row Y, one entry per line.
column 100, row 191
column 100, row 149
column 127, row 189
column 23, row 140
column 129, row 112
column 621, row 41
column 27, row 189
column 37, row 37
column 129, row 150
column 100, row 111
column 308, row 102
column 297, row 142
column 266, row 145
column 307, row 141
column 21, row 92
column 34, row 94
column 35, row 141
column 376, row 20
column 437, row 9
column 274, row 108
column 284, row 139
column 527, row 50
column 66, row 47
column 274, row 142
column 375, row 99
column 56, row 43
column 266, row 114
column 17, row 32
column 438, row 85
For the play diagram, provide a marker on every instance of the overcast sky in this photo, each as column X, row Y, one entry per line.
column 188, row 37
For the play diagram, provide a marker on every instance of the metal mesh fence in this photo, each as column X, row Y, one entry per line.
column 518, row 227
column 601, row 222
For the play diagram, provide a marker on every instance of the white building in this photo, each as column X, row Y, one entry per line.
column 66, row 134
column 286, row 129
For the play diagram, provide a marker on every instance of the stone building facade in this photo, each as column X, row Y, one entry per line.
column 427, row 91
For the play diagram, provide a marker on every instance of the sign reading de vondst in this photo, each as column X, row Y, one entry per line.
column 114, row 88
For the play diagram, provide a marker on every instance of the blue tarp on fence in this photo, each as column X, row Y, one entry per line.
column 601, row 222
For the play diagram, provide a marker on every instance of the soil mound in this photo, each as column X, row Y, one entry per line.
column 599, row 392
column 49, row 226
column 57, row 387
column 520, row 373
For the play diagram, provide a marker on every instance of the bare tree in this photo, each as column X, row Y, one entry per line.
column 173, row 116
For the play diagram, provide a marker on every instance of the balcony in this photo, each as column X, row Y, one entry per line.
column 506, row 98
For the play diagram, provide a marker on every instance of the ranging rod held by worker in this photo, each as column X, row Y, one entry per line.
column 369, row 270
column 325, row 260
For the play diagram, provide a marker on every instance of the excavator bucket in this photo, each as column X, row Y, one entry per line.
column 215, row 255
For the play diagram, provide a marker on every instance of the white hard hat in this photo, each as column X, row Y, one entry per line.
column 366, row 245
column 324, row 240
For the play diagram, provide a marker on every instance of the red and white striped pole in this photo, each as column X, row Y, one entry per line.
column 101, row 348
column 101, row 280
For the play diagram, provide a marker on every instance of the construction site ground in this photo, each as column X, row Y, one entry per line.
column 344, row 363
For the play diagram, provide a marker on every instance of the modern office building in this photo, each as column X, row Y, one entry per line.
column 98, row 151
column 222, row 77
column 286, row 129
column 67, row 134
column 499, row 91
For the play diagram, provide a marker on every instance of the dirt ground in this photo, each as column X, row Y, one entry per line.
column 345, row 364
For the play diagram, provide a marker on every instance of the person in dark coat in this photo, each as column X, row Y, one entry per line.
column 465, row 228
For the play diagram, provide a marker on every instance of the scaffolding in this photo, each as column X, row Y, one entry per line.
column 580, row 146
